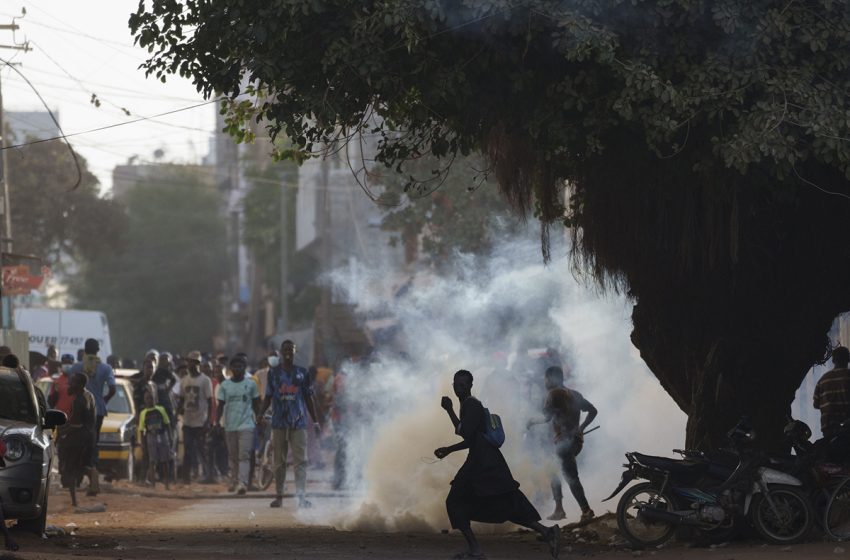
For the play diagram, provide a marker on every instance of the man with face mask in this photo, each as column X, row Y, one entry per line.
column 238, row 402
column 262, row 375
column 290, row 389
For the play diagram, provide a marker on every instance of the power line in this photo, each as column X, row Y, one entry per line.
column 114, row 125
column 65, row 100
column 70, row 31
column 96, row 98
column 101, row 85
column 107, row 43
column 55, row 121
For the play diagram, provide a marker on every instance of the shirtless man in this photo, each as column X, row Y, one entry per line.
column 563, row 408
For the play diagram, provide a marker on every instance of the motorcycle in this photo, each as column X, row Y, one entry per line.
column 712, row 493
column 823, row 467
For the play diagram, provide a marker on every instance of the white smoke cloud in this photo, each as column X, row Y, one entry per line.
column 482, row 316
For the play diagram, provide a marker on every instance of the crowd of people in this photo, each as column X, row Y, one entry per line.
column 220, row 410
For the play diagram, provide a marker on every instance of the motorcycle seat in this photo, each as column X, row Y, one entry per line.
column 666, row 464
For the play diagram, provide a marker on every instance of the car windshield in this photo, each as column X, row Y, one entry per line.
column 15, row 400
column 120, row 403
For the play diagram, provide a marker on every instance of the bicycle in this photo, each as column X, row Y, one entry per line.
column 264, row 458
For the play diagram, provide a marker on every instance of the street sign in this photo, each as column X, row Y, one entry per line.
column 17, row 280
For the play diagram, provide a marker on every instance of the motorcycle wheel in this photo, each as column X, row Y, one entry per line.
column 643, row 533
column 836, row 519
column 792, row 520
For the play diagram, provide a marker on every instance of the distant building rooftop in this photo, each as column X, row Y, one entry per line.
column 32, row 125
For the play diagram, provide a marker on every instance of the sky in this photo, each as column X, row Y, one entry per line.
column 84, row 47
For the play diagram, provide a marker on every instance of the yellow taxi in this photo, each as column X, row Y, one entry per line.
column 115, row 450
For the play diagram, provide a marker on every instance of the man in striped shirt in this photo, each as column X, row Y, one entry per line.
column 832, row 393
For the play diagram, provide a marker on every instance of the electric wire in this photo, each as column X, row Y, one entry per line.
column 114, row 125
column 55, row 121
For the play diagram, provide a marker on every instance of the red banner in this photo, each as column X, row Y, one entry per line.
column 17, row 280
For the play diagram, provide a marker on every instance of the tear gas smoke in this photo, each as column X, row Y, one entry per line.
column 492, row 317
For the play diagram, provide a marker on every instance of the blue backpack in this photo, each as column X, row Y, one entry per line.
column 494, row 432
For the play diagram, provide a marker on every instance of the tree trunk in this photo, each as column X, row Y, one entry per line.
column 718, row 379
column 725, row 349
column 736, row 279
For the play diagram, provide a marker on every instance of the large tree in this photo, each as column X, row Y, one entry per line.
column 162, row 287
column 699, row 150
column 52, row 218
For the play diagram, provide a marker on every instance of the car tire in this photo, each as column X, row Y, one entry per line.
column 38, row 524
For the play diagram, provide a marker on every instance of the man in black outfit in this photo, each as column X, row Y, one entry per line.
column 484, row 489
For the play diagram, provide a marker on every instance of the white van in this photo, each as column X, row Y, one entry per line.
column 67, row 329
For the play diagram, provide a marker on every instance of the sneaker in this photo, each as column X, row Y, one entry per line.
column 304, row 503
column 277, row 502
column 587, row 515
column 554, row 541
column 241, row 490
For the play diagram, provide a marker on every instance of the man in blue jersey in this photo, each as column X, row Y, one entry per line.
column 290, row 393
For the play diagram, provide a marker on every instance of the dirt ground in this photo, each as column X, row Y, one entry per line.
column 206, row 523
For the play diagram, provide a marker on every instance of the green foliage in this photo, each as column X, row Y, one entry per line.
column 456, row 210
column 51, row 221
column 765, row 83
column 694, row 141
column 162, row 288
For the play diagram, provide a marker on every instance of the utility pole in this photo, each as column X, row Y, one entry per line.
column 5, row 206
column 284, row 255
column 325, row 302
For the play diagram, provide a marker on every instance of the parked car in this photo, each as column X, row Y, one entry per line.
column 26, row 450
column 116, row 458
column 115, row 455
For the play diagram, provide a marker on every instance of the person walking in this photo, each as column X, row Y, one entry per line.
column 290, row 392
column 484, row 489
column 75, row 438
column 238, row 404
column 563, row 408
column 100, row 378
column 195, row 403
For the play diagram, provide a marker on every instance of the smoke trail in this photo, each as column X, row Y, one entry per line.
column 492, row 317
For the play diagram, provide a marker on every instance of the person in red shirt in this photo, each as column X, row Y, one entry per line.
column 59, row 397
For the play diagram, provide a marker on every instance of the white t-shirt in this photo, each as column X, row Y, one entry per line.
column 195, row 392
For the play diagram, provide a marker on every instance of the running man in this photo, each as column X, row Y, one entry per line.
column 484, row 489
